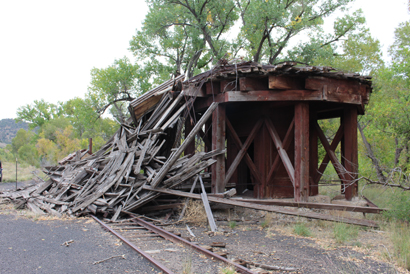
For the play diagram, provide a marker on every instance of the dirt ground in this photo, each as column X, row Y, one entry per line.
column 30, row 243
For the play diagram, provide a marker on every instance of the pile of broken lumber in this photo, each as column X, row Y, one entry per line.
column 113, row 180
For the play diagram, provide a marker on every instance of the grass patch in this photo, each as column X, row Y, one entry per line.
column 343, row 232
column 24, row 171
column 267, row 220
column 302, row 230
column 232, row 224
column 400, row 237
column 227, row 270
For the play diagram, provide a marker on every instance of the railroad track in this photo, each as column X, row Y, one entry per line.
column 168, row 252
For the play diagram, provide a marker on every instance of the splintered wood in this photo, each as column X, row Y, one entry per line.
column 111, row 181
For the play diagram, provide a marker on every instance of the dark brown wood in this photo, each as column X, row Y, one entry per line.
column 313, row 215
column 212, row 87
column 218, row 143
column 286, row 143
column 313, row 155
column 301, row 189
column 190, row 149
column 341, row 86
column 282, row 152
column 285, row 82
column 335, row 142
column 248, row 84
column 248, row 159
column 287, row 95
column 242, row 151
column 340, row 170
column 349, row 152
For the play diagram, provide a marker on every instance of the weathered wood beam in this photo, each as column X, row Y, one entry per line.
column 175, row 155
column 286, row 95
column 313, row 215
column 218, row 143
column 249, row 84
column 349, row 152
column 301, row 189
column 333, row 85
column 285, row 82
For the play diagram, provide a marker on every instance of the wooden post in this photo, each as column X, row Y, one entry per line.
column 190, row 149
column 301, row 187
column 349, row 151
column 218, row 142
column 314, row 156
column 90, row 146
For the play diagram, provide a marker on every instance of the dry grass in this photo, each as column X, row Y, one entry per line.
column 24, row 172
column 195, row 213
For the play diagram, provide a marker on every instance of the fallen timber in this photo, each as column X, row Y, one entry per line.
column 313, row 215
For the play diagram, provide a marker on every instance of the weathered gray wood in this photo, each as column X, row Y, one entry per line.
column 208, row 210
column 313, row 215
column 174, row 156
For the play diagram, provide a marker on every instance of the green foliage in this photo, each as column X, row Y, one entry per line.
column 37, row 114
column 112, row 85
column 302, row 230
column 399, row 206
column 400, row 236
column 232, row 224
column 22, row 137
column 9, row 128
column 344, row 232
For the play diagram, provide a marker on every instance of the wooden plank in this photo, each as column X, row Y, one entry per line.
column 282, row 152
column 208, row 210
column 313, row 215
column 242, row 151
column 285, row 82
column 175, row 155
column 301, row 189
column 218, row 143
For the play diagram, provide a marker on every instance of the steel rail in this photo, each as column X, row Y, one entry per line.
column 173, row 238
column 145, row 255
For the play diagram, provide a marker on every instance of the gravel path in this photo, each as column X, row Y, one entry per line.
column 28, row 246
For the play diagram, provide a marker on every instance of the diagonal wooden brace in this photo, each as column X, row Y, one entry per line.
column 282, row 152
column 243, row 151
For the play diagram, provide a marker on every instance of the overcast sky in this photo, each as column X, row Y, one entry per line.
column 48, row 48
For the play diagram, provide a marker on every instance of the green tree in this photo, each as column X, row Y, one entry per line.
column 113, row 85
column 189, row 36
column 38, row 113
column 387, row 124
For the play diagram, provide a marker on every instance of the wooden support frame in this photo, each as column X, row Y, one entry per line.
column 301, row 186
column 242, row 151
column 248, row 159
column 349, row 152
column 281, row 151
column 340, row 169
column 313, row 155
column 218, row 143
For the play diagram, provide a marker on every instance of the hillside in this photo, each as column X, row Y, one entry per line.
column 9, row 128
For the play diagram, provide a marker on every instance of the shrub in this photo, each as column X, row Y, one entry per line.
column 301, row 230
column 343, row 232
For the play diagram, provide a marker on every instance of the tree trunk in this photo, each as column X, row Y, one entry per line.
column 370, row 154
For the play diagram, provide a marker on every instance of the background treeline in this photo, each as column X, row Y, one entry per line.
column 187, row 37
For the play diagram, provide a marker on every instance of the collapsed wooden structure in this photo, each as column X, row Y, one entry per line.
column 251, row 126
